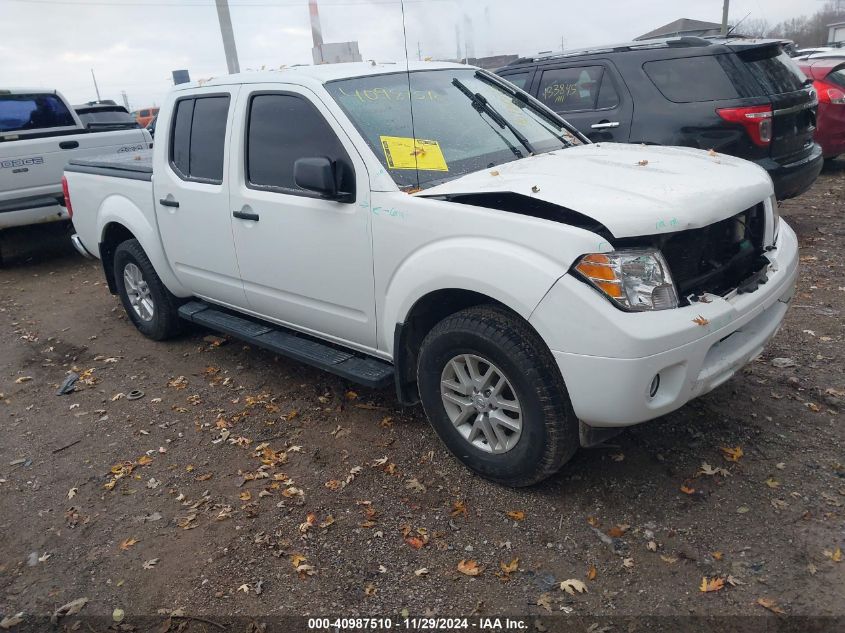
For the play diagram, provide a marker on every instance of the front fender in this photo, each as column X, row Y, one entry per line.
column 509, row 273
column 117, row 208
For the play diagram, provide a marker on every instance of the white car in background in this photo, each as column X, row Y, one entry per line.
column 39, row 133
column 534, row 290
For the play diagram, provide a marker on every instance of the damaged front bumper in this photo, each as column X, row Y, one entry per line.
column 611, row 360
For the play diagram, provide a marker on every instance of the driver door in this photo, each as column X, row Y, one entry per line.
column 305, row 262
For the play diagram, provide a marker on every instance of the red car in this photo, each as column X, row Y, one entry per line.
column 828, row 75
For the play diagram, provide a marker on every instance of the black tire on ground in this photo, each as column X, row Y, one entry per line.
column 165, row 322
column 549, row 436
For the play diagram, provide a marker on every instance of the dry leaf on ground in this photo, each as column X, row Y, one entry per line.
column 714, row 584
column 516, row 515
column 573, row 586
column 771, row 605
column 469, row 568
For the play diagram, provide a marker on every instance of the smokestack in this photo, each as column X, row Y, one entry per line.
column 316, row 31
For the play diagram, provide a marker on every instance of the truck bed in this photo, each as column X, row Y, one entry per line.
column 136, row 165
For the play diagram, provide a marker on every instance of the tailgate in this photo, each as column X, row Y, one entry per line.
column 31, row 167
column 792, row 96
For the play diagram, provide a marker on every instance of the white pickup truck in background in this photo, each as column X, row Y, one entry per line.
column 39, row 133
column 535, row 291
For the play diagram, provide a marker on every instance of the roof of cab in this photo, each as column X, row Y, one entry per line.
column 320, row 74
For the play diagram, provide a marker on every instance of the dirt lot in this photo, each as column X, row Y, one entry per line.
column 235, row 468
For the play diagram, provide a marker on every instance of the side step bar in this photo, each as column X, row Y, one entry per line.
column 364, row 370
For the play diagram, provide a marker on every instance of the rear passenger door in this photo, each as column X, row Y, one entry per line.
column 191, row 195
column 592, row 97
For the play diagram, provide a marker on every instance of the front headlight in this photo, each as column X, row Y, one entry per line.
column 775, row 219
column 635, row 279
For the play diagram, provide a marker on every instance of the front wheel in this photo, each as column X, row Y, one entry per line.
column 494, row 395
column 150, row 306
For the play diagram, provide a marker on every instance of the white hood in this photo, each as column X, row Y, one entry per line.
column 631, row 189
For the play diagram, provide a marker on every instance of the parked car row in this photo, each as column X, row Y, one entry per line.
column 741, row 97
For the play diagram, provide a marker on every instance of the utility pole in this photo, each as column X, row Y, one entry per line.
column 725, row 9
column 228, row 36
column 419, row 51
column 125, row 99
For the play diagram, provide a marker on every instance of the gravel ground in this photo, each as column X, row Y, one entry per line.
column 242, row 484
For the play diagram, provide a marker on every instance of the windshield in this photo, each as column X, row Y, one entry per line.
column 454, row 127
column 106, row 117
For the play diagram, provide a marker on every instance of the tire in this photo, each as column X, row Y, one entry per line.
column 151, row 307
column 491, row 338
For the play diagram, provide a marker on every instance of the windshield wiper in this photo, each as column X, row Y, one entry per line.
column 480, row 103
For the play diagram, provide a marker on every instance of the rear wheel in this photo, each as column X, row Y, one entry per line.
column 494, row 395
column 150, row 306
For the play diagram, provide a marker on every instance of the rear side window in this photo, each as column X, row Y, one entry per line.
column 21, row 112
column 691, row 79
column 199, row 137
column 283, row 128
column 837, row 77
column 517, row 79
column 569, row 89
column 774, row 70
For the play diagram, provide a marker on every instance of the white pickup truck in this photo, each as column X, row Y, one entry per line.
column 535, row 291
column 39, row 133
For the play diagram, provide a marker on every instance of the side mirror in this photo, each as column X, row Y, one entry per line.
column 319, row 174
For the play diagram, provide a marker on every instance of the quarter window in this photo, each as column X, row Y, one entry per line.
column 569, row 89
column 283, row 128
column 199, row 138
column 691, row 79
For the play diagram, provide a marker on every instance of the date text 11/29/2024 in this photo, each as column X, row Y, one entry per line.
column 417, row 624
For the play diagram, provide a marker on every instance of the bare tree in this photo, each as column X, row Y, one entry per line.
column 808, row 31
column 755, row 27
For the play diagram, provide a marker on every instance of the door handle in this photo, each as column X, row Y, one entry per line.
column 69, row 144
column 168, row 203
column 246, row 215
column 603, row 125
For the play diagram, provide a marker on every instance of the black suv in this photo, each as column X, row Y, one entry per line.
column 741, row 97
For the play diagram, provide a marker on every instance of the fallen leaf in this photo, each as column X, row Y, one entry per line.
column 71, row 608
column 666, row 558
column 244, row 587
column 127, row 543
column 835, row 555
column 618, row 531
column 732, row 454
column 687, row 490
column 469, row 568
column 422, row 571
column 592, row 573
column 508, row 568
column 594, row 521
column 415, row 485
column 23, row 379
column 771, row 605
column 714, row 584
column 246, row 495
column 545, row 601
column 627, row 563
column 707, row 469
column 642, row 163
column 351, row 395
column 458, row 508
column 72, row 492
column 717, row 555
column 149, row 564
column 617, row 457
column 651, row 546
column 700, row 320
column 11, row 620
column 573, row 586
column 772, row 483
column 733, row 581
column 516, row 515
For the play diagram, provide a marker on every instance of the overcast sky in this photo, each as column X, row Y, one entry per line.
column 133, row 45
